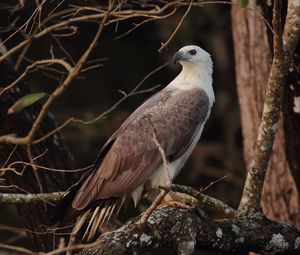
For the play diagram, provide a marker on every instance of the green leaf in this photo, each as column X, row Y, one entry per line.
column 25, row 101
column 242, row 3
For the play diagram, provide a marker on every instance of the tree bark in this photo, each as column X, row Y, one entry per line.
column 253, row 57
column 52, row 153
column 183, row 231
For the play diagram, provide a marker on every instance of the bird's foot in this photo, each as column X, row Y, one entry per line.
column 151, row 208
column 178, row 204
column 181, row 200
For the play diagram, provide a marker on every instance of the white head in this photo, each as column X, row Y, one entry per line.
column 194, row 57
column 196, row 70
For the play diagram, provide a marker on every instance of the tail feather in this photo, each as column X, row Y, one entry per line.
column 102, row 217
column 91, row 221
column 79, row 222
column 100, row 214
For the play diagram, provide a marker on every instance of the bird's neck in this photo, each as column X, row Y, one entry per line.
column 192, row 77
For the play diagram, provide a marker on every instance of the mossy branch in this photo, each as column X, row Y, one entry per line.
column 284, row 48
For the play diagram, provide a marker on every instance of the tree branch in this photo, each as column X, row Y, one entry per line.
column 13, row 198
column 206, row 202
column 73, row 72
column 272, row 106
column 183, row 231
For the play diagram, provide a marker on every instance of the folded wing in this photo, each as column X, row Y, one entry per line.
column 174, row 116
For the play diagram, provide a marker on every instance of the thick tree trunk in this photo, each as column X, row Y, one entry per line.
column 51, row 153
column 253, row 56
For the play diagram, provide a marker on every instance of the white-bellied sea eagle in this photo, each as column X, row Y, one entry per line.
column 130, row 162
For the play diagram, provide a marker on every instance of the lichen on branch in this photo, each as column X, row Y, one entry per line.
column 183, row 231
column 284, row 47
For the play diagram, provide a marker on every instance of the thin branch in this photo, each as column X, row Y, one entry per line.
column 15, row 198
column 213, row 183
column 164, row 45
column 126, row 14
column 49, row 29
column 136, row 26
column 133, row 92
column 205, row 202
column 39, row 167
column 60, row 250
column 59, row 90
column 20, row 250
column 58, row 128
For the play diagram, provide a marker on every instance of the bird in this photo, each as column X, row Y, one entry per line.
column 130, row 163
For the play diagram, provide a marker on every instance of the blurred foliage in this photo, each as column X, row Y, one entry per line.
column 124, row 63
column 25, row 101
column 242, row 3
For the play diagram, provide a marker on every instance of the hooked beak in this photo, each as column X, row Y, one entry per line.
column 178, row 56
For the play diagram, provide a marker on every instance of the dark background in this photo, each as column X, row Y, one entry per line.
column 125, row 63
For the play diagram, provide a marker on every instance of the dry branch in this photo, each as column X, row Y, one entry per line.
column 32, row 66
column 164, row 45
column 133, row 92
column 73, row 73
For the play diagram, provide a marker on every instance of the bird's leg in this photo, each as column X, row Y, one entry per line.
column 167, row 181
column 152, row 207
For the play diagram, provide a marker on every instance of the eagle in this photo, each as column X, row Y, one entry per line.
column 130, row 162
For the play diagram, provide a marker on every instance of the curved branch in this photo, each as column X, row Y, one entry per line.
column 32, row 66
column 58, row 91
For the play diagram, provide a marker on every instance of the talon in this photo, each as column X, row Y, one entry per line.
column 178, row 204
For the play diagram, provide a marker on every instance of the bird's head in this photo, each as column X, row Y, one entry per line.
column 193, row 56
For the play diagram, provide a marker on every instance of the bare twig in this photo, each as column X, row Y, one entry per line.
column 164, row 45
column 58, row 91
column 34, row 65
column 18, row 249
column 213, row 183
column 133, row 92
column 11, row 168
column 60, row 250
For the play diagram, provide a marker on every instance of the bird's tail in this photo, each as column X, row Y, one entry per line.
column 96, row 217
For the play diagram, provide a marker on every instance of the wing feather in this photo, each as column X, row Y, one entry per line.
column 174, row 115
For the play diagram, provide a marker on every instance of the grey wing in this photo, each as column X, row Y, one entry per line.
column 175, row 118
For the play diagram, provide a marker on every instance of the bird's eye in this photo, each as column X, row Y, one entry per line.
column 193, row 52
